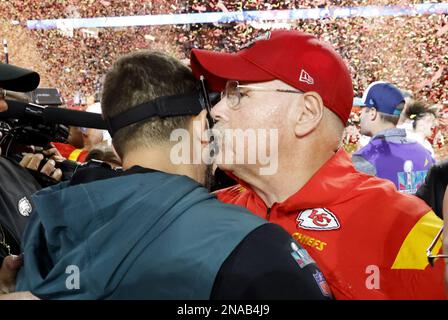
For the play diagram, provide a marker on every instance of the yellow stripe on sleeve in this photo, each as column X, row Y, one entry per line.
column 412, row 254
column 74, row 155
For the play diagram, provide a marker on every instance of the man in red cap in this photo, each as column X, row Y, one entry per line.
column 368, row 239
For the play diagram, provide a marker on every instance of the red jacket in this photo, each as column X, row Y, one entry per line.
column 368, row 239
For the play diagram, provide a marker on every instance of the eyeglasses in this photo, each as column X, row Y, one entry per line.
column 429, row 254
column 2, row 94
column 233, row 95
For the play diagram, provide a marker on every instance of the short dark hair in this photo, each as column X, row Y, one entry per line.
column 141, row 77
column 390, row 117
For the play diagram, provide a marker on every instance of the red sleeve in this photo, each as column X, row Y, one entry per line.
column 82, row 156
column 64, row 149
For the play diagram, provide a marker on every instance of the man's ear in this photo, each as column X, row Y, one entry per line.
column 200, row 124
column 373, row 114
column 310, row 113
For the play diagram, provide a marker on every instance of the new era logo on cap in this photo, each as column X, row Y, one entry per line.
column 305, row 77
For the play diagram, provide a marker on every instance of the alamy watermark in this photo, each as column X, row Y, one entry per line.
column 373, row 277
column 228, row 147
column 72, row 282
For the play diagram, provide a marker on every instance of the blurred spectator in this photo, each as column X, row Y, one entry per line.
column 82, row 140
column 419, row 124
column 433, row 190
column 91, row 136
column 389, row 154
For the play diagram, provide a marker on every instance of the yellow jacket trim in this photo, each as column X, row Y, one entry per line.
column 74, row 155
column 412, row 254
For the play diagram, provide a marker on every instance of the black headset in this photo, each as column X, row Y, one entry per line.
column 170, row 106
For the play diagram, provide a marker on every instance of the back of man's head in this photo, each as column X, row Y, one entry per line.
column 141, row 77
column 387, row 99
column 417, row 110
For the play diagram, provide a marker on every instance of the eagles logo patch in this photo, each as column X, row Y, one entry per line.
column 24, row 207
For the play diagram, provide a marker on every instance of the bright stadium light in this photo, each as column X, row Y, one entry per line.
column 241, row 16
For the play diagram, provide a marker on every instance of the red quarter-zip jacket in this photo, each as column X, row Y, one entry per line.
column 369, row 240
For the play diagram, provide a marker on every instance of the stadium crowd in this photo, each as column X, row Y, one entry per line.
column 408, row 51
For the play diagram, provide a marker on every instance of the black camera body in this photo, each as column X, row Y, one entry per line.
column 25, row 127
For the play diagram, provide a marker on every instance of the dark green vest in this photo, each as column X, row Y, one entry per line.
column 142, row 236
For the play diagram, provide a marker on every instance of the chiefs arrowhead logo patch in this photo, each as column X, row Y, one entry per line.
column 317, row 219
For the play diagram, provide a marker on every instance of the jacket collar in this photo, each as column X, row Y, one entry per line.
column 324, row 188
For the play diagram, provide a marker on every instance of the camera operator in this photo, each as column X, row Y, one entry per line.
column 17, row 184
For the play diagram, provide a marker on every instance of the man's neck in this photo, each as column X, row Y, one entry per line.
column 156, row 158
column 290, row 177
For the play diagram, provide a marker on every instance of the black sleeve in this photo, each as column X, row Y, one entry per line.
column 16, row 188
column 433, row 189
column 269, row 264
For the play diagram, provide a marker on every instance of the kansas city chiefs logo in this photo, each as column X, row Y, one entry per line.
column 317, row 219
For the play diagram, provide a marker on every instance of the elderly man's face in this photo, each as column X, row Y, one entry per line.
column 260, row 109
column 91, row 137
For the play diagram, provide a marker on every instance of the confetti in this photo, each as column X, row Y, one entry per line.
column 410, row 51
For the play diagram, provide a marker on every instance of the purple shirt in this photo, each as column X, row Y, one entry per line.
column 391, row 155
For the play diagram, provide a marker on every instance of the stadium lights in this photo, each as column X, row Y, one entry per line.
column 241, row 16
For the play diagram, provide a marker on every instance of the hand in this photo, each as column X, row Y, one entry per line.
column 8, row 272
column 25, row 295
column 53, row 153
column 3, row 105
column 32, row 161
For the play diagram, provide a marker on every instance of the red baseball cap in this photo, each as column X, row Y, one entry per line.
column 296, row 58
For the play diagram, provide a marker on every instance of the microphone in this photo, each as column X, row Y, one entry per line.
column 52, row 115
column 21, row 110
column 74, row 118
